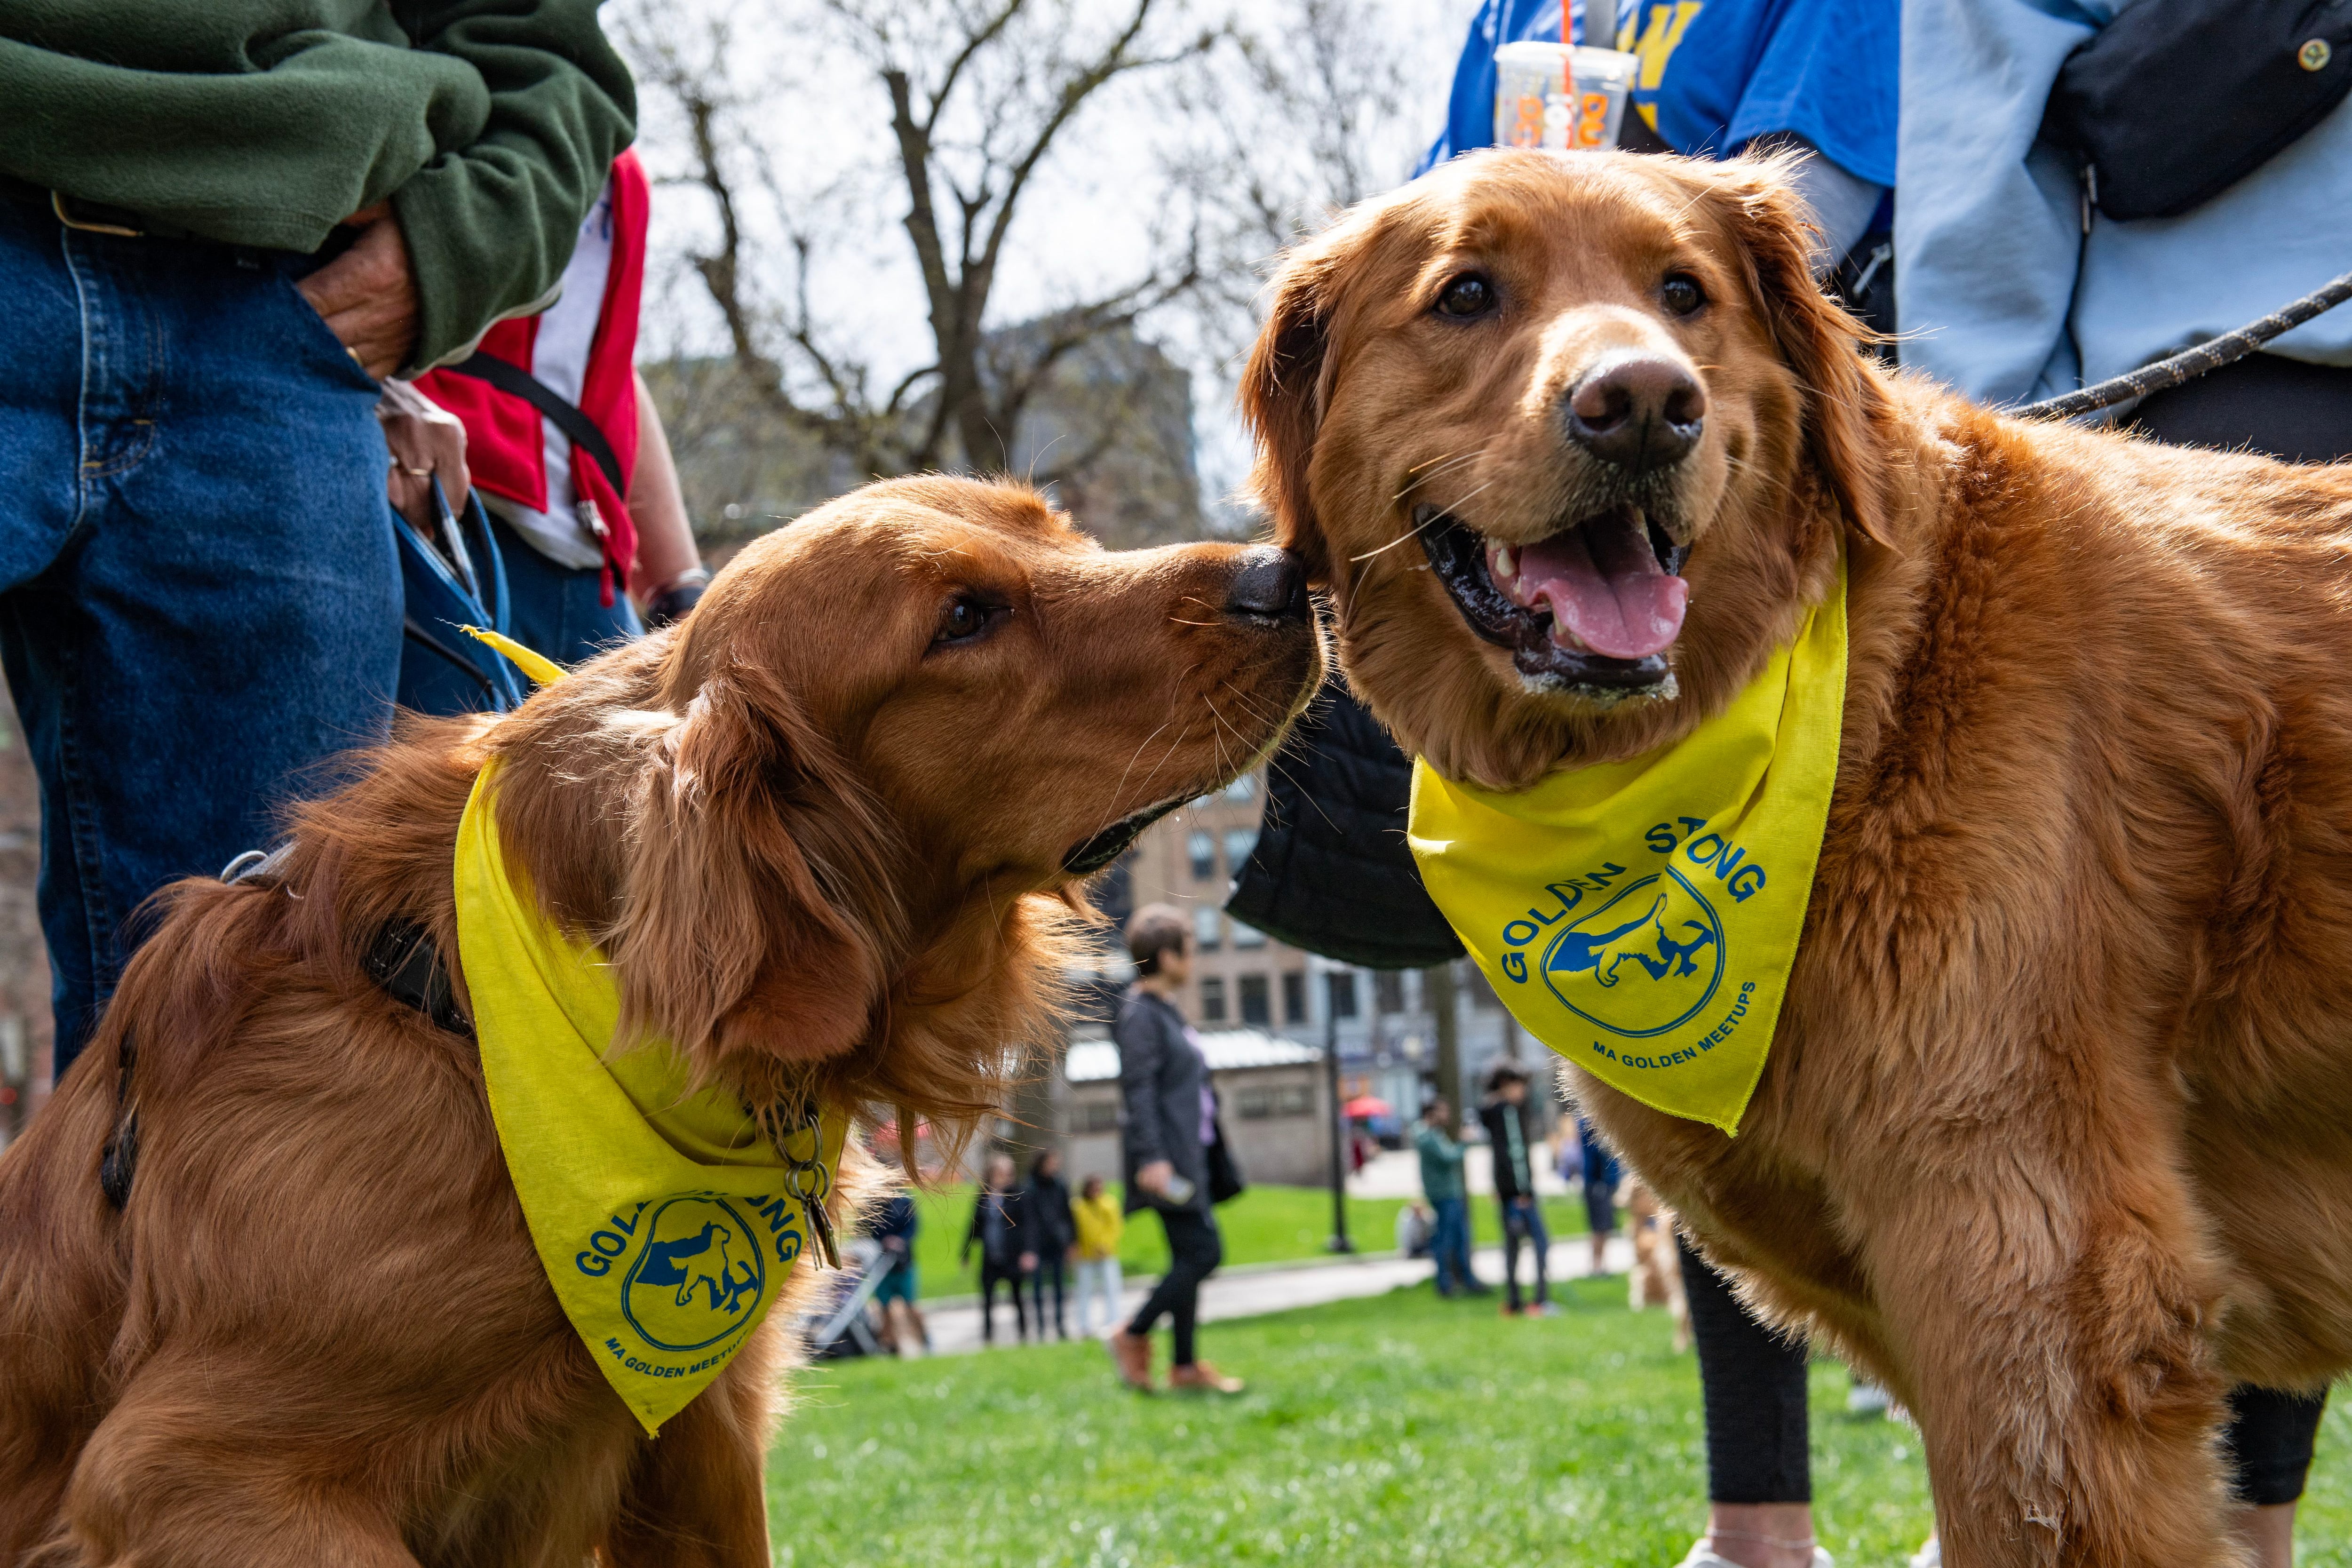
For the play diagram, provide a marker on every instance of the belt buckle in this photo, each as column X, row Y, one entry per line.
column 58, row 206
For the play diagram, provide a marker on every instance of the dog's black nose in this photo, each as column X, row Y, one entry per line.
column 1637, row 414
column 1269, row 583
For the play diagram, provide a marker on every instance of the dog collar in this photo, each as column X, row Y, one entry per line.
column 1641, row 918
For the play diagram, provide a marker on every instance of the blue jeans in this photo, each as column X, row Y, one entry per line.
column 199, row 602
column 1523, row 1221
column 1449, row 1243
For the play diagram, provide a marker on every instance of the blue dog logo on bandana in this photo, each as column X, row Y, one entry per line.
column 698, row 1277
column 1642, row 963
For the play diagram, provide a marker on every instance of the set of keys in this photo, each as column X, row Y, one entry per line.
column 809, row 1184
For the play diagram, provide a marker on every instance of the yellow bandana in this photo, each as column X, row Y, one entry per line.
column 666, row 1221
column 1640, row 917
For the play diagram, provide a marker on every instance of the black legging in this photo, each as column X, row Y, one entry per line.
column 1193, row 1249
column 1753, row 1381
column 1050, row 1266
column 991, row 1276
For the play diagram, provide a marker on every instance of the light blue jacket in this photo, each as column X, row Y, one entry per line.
column 2000, row 291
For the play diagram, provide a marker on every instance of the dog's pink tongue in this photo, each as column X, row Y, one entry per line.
column 1603, row 583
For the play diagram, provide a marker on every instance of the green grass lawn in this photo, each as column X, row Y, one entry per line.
column 1401, row 1429
column 1265, row 1225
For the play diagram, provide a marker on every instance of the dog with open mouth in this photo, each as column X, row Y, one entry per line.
column 2054, row 1134
column 267, row 1291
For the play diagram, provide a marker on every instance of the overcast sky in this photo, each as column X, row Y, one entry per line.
column 1088, row 223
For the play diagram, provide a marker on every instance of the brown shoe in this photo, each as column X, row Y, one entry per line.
column 1202, row 1377
column 1131, row 1353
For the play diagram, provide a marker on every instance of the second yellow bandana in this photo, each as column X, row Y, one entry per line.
column 666, row 1221
column 1640, row 918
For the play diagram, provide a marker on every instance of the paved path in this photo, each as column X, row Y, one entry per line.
column 1253, row 1292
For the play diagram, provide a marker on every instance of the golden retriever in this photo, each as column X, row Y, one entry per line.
column 828, row 832
column 2055, row 1136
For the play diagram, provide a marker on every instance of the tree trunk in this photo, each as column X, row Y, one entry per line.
column 1035, row 1117
column 1437, row 993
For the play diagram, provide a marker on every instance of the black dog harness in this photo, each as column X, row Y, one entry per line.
column 403, row 961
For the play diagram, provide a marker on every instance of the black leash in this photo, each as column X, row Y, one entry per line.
column 402, row 960
column 2190, row 363
column 569, row 418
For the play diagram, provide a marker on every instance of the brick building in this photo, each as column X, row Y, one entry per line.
column 1243, row 979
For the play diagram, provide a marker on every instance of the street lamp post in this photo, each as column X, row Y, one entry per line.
column 1339, row 1121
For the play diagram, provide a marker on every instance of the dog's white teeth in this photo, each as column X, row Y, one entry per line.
column 1505, row 562
column 1562, row 637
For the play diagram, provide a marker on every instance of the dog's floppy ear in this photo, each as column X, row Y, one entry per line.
column 1847, row 417
column 752, row 930
column 1281, row 396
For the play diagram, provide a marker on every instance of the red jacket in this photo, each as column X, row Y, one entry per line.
column 505, row 443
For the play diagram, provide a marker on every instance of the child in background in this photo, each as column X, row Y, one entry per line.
column 1099, row 1226
column 894, row 1295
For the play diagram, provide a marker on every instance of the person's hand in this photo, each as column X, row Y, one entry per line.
column 427, row 440
column 1028, row 1263
column 367, row 296
column 1154, row 1178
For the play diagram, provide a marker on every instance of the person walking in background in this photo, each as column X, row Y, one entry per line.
column 1601, row 1176
column 1505, row 1117
column 1057, row 1233
column 220, row 226
column 1006, row 1234
column 894, row 1227
column 1442, row 1185
column 1098, row 1225
column 1168, row 1124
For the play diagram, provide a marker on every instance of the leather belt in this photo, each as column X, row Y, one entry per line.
column 88, row 217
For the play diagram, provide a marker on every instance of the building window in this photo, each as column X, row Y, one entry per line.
column 1388, row 990
column 1200, row 849
column 1247, row 935
column 1256, row 1004
column 1341, row 987
column 1213, row 999
column 1294, row 997
column 1094, row 1116
column 1243, row 790
column 1206, row 933
column 1239, row 842
column 1259, row 1104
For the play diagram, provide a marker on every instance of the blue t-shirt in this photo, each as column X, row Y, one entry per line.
column 1717, row 74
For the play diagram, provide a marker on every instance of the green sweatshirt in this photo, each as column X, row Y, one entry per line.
column 490, row 125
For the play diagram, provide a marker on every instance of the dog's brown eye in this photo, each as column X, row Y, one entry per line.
column 1468, row 295
column 966, row 618
column 1680, row 293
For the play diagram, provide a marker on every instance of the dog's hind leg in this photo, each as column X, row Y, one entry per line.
column 697, row 1498
column 2050, row 1313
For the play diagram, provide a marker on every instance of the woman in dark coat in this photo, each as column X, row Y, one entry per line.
column 1006, row 1235
column 1057, row 1233
column 1168, row 1120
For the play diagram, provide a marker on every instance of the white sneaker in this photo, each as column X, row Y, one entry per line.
column 1866, row 1399
column 1930, row 1555
column 1702, row 1555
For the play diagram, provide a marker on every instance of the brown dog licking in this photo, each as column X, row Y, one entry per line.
column 2054, row 1138
column 828, row 832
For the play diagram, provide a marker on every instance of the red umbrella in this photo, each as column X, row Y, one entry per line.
column 1363, row 1106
